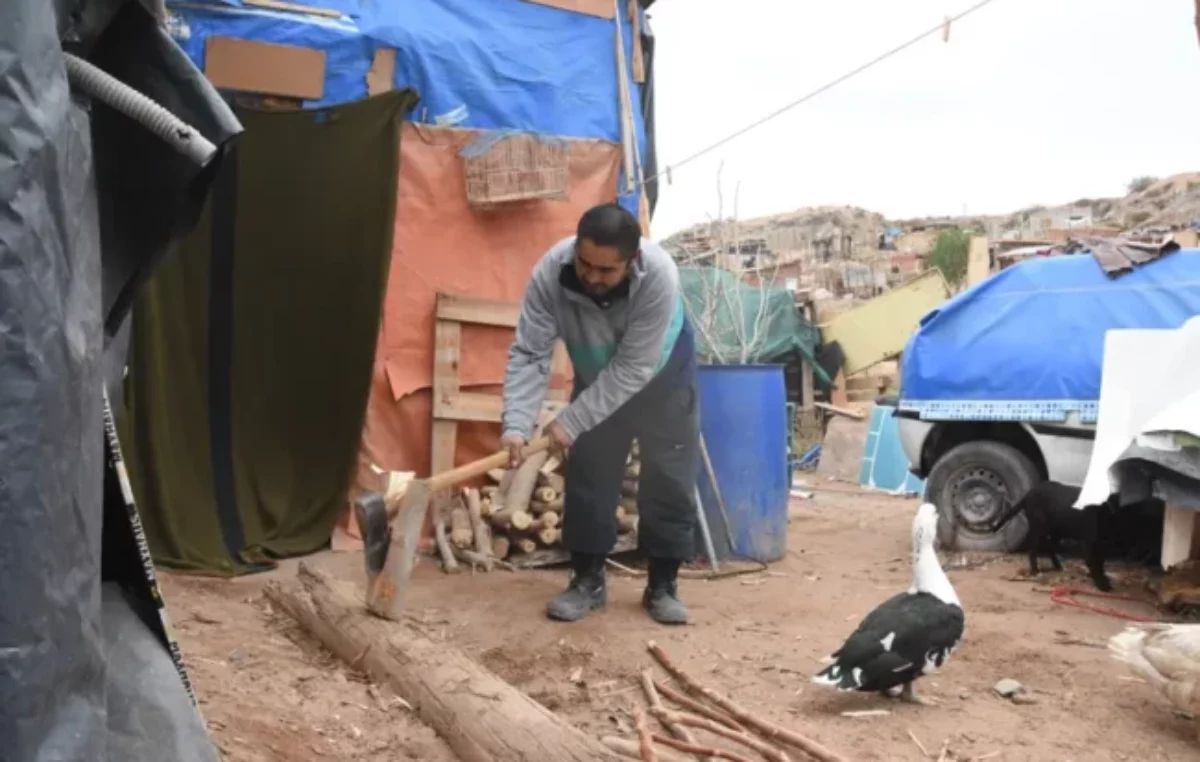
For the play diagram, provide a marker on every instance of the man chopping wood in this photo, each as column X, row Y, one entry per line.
column 614, row 299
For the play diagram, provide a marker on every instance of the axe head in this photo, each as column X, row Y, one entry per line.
column 391, row 551
column 371, row 513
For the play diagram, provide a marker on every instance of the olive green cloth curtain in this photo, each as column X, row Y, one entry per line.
column 252, row 347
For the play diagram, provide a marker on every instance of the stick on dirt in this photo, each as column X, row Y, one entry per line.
column 768, row 752
column 645, row 740
column 768, row 730
column 698, row 708
column 488, row 721
column 632, row 750
column 656, row 705
column 700, row 751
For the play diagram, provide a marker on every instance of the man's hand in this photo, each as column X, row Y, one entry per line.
column 559, row 441
column 515, row 444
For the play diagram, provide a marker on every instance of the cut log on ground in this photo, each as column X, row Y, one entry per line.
column 524, row 544
column 629, row 505
column 510, row 518
column 501, row 547
column 549, row 536
column 497, row 475
column 481, row 717
column 762, row 727
column 449, row 564
column 700, row 751
column 629, row 488
column 546, row 494
column 553, row 481
column 524, row 481
column 480, row 531
column 627, row 524
column 669, row 719
column 461, row 534
column 538, row 507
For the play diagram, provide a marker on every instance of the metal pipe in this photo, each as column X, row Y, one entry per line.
column 708, row 543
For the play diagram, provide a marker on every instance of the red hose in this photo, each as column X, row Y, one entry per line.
column 1065, row 596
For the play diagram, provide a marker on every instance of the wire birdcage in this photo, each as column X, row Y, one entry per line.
column 506, row 167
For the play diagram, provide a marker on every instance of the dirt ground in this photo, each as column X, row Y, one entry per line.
column 270, row 694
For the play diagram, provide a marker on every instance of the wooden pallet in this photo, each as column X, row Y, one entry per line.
column 452, row 405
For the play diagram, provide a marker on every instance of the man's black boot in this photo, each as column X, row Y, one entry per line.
column 586, row 592
column 661, row 599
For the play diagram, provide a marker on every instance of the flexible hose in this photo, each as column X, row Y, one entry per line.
column 111, row 91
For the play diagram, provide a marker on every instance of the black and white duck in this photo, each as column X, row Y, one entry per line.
column 909, row 635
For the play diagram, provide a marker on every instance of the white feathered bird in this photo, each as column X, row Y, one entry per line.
column 907, row 636
column 1168, row 657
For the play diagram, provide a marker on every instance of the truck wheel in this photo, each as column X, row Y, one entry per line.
column 971, row 485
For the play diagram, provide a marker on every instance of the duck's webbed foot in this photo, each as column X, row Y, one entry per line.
column 908, row 697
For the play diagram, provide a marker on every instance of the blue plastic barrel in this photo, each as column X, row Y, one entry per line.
column 743, row 417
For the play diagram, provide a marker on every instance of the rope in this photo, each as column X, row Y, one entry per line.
column 939, row 29
column 1065, row 596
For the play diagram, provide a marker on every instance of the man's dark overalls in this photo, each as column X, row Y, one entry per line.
column 664, row 418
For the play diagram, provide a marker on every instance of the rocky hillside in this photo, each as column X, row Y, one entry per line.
column 1151, row 203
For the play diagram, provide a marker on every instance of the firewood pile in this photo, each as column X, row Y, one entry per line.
column 516, row 521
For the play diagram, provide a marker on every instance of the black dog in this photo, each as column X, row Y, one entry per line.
column 1049, row 508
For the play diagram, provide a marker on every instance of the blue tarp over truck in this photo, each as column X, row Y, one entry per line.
column 1028, row 343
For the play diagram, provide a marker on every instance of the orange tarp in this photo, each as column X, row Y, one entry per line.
column 442, row 244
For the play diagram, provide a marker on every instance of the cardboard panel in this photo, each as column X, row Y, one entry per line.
column 261, row 67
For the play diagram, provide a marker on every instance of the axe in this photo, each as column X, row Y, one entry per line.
column 390, row 551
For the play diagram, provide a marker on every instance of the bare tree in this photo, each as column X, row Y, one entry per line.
column 732, row 310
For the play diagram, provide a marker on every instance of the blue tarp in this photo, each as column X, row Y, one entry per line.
column 1028, row 343
column 884, row 463
column 486, row 64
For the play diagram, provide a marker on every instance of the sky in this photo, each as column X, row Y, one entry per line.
column 1030, row 102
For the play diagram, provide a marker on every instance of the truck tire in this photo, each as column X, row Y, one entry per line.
column 970, row 485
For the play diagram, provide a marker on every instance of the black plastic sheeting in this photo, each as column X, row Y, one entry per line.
column 89, row 204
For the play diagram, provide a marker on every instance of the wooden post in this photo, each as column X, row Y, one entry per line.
column 481, row 717
column 1181, row 536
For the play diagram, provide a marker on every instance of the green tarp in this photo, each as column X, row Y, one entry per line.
column 252, row 348
column 738, row 323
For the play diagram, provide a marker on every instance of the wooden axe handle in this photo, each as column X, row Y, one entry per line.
column 456, row 476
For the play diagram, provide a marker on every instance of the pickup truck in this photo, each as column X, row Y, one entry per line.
column 1000, row 386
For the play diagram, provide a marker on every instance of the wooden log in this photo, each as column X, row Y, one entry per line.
column 510, row 519
column 546, row 494
column 524, row 481
column 552, row 481
column 481, row 561
column 552, row 464
column 449, row 563
column 766, row 729
column 488, row 490
column 629, row 488
column 627, row 524
column 485, row 507
column 538, row 507
column 523, row 544
column 630, row 506
column 500, row 547
column 549, row 520
column 481, row 533
column 620, row 513
column 633, row 470
column 491, row 722
column 461, row 534
column 549, row 536
column 497, row 475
